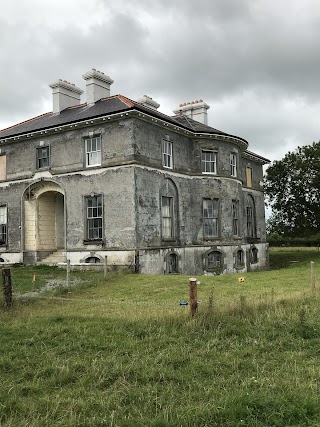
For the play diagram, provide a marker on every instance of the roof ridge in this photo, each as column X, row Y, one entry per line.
column 26, row 121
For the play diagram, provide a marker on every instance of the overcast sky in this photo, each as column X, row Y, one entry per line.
column 255, row 62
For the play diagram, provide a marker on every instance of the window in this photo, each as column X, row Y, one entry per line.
column 3, row 167
column 239, row 261
column 210, row 217
column 43, row 158
column 167, row 217
column 249, row 176
column 209, row 162
column 214, row 260
column 235, row 217
column 3, row 225
column 250, row 215
column 167, row 160
column 253, row 255
column 173, row 264
column 92, row 260
column 233, row 164
column 94, row 217
column 93, row 151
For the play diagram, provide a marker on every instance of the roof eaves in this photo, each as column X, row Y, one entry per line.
column 254, row 156
column 26, row 121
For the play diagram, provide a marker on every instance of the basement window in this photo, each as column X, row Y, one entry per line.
column 43, row 157
column 239, row 258
column 93, row 260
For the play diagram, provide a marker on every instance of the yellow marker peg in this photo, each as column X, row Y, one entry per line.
column 241, row 279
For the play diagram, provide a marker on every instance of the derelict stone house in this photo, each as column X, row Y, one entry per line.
column 115, row 177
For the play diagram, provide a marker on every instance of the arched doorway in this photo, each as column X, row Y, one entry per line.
column 44, row 219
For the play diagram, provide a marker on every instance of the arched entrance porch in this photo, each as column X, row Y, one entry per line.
column 44, row 221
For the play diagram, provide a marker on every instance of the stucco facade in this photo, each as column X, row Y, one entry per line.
column 116, row 178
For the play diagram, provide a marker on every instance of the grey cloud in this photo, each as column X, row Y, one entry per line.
column 176, row 51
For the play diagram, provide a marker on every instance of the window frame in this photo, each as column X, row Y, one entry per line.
column 254, row 259
column 167, row 218
column 4, row 225
column 167, row 154
column 41, row 159
column 239, row 258
column 212, row 163
column 250, row 218
column 235, row 218
column 211, row 221
column 249, row 176
column 89, row 153
column 90, row 219
column 233, row 164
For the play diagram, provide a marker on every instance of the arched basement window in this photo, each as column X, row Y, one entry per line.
column 93, row 260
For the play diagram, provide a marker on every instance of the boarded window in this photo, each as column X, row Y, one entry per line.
column 3, row 168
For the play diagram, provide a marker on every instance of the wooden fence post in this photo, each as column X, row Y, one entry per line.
column 193, row 298
column 312, row 275
column 7, row 287
column 105, row 267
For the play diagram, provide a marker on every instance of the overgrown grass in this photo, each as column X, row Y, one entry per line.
column 124, row 353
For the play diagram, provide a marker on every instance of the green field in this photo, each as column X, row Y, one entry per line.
column 123, row 352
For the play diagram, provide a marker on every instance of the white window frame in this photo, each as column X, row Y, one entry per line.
column 233, row 164
column 94, row 217
column 3, row 225
column 209, row 162
column 93, row 151
column 167, row 225
column 210, row 218
column 167, row 154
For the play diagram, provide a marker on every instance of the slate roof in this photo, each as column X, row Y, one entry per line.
column 105, row 106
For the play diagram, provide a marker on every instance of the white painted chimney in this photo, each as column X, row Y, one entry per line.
column 149, row 102
column 97, row 85
column 65, row 94
column 196, row 110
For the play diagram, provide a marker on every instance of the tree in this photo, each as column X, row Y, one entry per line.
column 292, row 186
